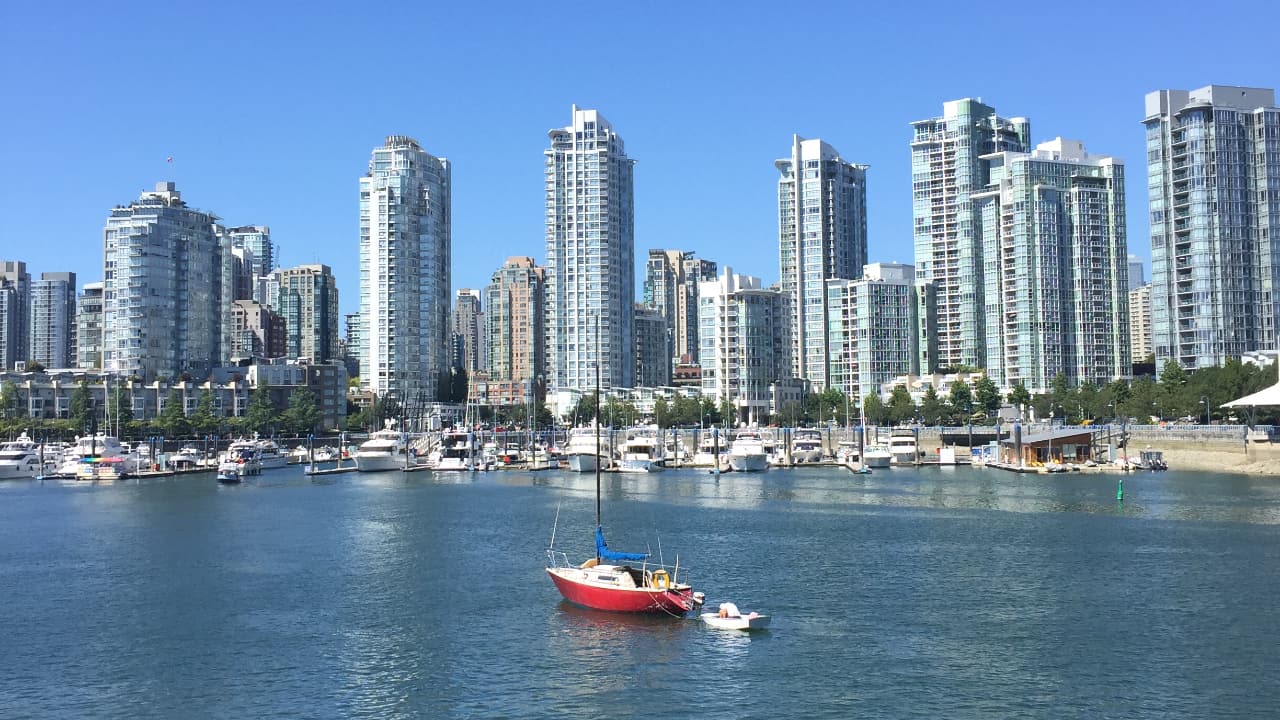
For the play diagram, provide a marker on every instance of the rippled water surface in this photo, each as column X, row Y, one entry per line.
column 951, row 593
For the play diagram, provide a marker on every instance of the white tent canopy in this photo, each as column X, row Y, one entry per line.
column 1267, row 397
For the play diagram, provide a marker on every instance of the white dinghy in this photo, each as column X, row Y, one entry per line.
column 729, row 618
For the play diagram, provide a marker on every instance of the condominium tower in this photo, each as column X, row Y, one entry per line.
column 307, row 303
column 822, row 229
column 653, row 351
column 15, row 318
column 1140, row 323
column 947, row 167
column 514, row 320
column 743, row 343
column 1055, row 290
column 164, row 298
column 1213, row 166
column 404, row 270
column 259, row 259
column 468, row 323
column 671, row 287
column 89, row 326
column 53, row 319
column 590, row 255
column 872, row 325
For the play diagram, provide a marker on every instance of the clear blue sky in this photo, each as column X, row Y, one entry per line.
column 270, row 110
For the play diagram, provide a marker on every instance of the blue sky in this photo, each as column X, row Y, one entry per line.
column 270, row 110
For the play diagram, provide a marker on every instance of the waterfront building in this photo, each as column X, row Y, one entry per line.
column 1137, row 275
column 166, row 290
column 744, row 348
column 1140, row 323
column 405, row 246
column 822, row 229
column 306, row 300
column 1213, row 167
column 947, row 167
column 354, row 345
column 590, row 238
column 15, row 319
column 89, row 327
column 671, row 285
column 872, row 328
column 1054, row 288
column 53, row 319
column 468, row 323
column 514, row 321
column 653, row 351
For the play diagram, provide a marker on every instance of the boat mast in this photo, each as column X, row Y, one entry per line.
column 598, row 458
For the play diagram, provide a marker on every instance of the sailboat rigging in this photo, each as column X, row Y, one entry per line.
column 609, row 581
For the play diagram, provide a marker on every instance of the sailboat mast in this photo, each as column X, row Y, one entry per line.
column 599, row 460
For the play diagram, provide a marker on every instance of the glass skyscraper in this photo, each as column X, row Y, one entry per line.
column 671, row 285
column 1213, row 179
column 590, row 232
column 405, row 247
column 822, row 229
column 947, row 167
column 53, row 319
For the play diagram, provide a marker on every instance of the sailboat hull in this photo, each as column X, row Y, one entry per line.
column 573, row 584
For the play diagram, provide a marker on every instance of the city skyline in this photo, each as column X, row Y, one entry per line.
column 287, row 164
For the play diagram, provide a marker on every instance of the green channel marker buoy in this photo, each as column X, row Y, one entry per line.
column 1120, row 488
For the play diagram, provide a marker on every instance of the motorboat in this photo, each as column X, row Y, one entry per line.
column 386, row 449
column 457, row 452
column 245, row 455
column 806, row 446
column 270, row 456
column 713, row 443
column 21, row 459
column 641, row 454
column 102, row 468
column 730, row 618
column 902, row 446
column 585, row 449
column 748, row 453
column 876, row 456
column 232, row 471
column 299, row 454
column 847, row 451
column 325, row 454
column 90, row 448
column 188, row 457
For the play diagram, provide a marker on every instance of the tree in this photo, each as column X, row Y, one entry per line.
column 203, row 420
column 303, row 413
column 901, row 407
column 874, row 410
column 585, row 410
column 931, row 407
column 10, row 406
column 661, row 414
column 987, row 395
column 1019, row 396
column 82, row 414
column 260, row 416
column 961, row 401
column 34, row 367
column 173, row 417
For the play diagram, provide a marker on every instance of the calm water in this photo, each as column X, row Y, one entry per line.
column 937, row 593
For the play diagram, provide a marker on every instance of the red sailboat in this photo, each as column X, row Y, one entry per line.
column 619, row 581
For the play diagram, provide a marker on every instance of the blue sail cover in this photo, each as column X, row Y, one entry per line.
column 604, row 553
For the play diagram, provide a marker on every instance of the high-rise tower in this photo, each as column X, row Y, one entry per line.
column 307, row 302
column 53, row 319
column 164, row 298
column 404, row 270
column 671, row 285
column 15, row 318
column 947, row 167
column 822, row 229
column 1213, row 167
column 590, row 255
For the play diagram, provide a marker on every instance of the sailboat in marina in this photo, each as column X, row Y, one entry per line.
column 618, row 581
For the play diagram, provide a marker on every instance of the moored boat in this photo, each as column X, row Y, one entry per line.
column 640, row 454
column 902, row 446
column 730, row 618
column 21, row 459
column 385, row 449
column 747, row 453
column 806, row 446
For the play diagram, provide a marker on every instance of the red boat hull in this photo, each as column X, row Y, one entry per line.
column 677, row 600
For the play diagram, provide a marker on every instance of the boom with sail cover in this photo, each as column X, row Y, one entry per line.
column 604, row 553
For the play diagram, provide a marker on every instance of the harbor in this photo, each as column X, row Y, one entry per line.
column 948, row 591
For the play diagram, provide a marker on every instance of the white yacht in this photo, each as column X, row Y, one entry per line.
column 270, row 455
column 847, row 451
column 385, row 449
column 876, row 456
column 706, row 454
column 902, row 445
column 20, row 459
column 641, row 454
column 245, row 453
column 806, row 446
column 582, row 452
column 748, row 452
column 97, row 450
column 456, row 453
column 188, row 457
